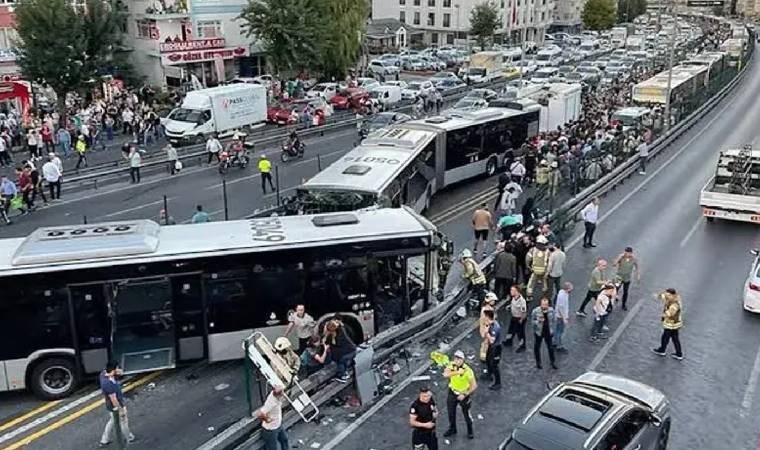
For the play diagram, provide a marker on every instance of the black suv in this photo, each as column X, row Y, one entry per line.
column 595, row 412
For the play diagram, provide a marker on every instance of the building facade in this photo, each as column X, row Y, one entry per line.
column 176, row 39
column 567, row 15
column 447, row 22
column 9, row 70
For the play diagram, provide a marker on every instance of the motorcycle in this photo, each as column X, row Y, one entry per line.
column 229, row 159
column 289, row 152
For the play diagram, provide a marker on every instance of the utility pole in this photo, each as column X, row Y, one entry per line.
column 671, row 48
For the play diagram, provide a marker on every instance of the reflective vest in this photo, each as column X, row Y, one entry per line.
column 539, row 261
column 460, row 383
column 265, row 166
column 542, row 175
column 81, row 147
column 473, row 273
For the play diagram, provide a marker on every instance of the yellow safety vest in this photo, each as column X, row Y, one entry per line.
column 473, row 273
column 265, row 166
column 460, row 383
column 81, row 147
column 542, row 175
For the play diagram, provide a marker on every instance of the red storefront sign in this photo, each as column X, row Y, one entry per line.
column 176, row 58
column 194, row 45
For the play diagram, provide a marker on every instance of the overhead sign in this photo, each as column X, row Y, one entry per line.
column 175, row 58
column 704, row 3
column 195, row 44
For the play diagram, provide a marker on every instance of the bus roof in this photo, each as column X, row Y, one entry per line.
column 457, row 119
column 143, row 241
column 373, row 164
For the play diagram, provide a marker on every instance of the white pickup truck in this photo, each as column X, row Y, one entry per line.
column 734, row 192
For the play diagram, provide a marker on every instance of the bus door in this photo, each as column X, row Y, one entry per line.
column 92, row 324
column 142, row 324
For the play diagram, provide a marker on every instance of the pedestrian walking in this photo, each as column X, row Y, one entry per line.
column 590, row 216
column 482, row 223
column 37, row 188
column 643, row 150
column 33, row 143
column 517, row 171
column 474, row 274
column 423, row 415
column 135, row 162
column 304, row 324
column 562, row 310
column 489, row 304
column 462, row 384
column 64, row 141
column 270, row 415
column 493, row 355
column 52, row 176
column 504, row 269
column 596, row 282
column 200, row 215
column 518, row 308
column 265, row 169
column 213, row 147
column 556, row 268
column 544, row 321
column 24, row 181
column 537, row 260
column 8, row 190
column 626, row 264
column 81, row 148
column 172, row 159
column 5, row 154
column 672, row 322
column 602, row 307
column 110, row 387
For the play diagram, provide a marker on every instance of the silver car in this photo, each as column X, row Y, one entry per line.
column 595, row 411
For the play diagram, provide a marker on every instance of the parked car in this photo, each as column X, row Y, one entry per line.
column 450, row 84
column 526, row 66
column 350, row 98
column 323, row 90
column 382, row 120
column 443, row 76
column 485, row 94
column 282, row 113
column 391, row 58
column 383, row 68
column 419, row 64
column 385, row 96
column 544, row 75
column 366, row 82
column 751, row 297
column 434, row 63
column 595, row 411
column 470, row 103
column 418, row 89
column 591, row 75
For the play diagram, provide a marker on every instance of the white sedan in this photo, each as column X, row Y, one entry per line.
column 751, row 296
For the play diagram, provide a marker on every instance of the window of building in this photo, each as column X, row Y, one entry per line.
column 434, row 38
column 7, row 2
column 147, row 29
column 450, row 38
column 7, row 37
column 416, row 2
column 446, row 20
column 402, row 2
column 209, row 29
column 431, row 19
column 447, row 3
column 543, row 16
column 416, row 17
column 402, row 16
column 502, row 4
column 431, row 3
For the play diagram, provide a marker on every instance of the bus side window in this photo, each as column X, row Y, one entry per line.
column 456, row 151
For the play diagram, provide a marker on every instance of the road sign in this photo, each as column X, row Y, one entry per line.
column 704, row 3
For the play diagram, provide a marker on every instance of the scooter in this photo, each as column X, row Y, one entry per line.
column 289, row 152
column 229, row 159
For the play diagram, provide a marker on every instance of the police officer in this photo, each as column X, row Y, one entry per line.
column 461, row 386
column 422, row 416
column 473, row 274
column 265, row 168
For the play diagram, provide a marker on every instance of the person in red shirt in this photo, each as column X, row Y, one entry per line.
column 47, row 138
column 26, row 187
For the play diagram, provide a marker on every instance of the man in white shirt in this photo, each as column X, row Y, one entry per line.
column 517, row 170
column 304, row 325
column 213, row 147
column 126, row 118
column 590, row 216
column 556, row 268
column 562, row 309
column 271, row 420
column 53, row 177
column 643, row 151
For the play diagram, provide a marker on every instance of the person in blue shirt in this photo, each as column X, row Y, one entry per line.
column 114, row 401
column 200, row 215
column 8, row 190
column 493, row 355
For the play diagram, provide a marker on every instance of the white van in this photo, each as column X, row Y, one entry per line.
column 386, row 95
column 551, row 56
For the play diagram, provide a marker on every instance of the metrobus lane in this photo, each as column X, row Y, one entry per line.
column 194, row 186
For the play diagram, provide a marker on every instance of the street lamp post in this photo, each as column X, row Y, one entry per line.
column 671, row 48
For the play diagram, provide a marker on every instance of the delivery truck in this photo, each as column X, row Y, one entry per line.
column 220, row 110
column 734, row 192
column 485, row 66
column 560, row 104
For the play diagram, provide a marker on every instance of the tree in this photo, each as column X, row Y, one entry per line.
column 628, row 9
column 484, row 20
column 292, row 31
column 598, row 14
column 63, row 46
column 344, row 35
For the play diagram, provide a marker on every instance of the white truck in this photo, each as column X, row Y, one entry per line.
column 560, row 104
column 734, row 192
column 221, row 110
column 618, row 35
column 485, row 66
column 636, row 43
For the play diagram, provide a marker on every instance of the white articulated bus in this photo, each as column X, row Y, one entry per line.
column 406, row 164
column 152, row 297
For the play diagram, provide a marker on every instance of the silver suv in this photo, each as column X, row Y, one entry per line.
column 595, row 412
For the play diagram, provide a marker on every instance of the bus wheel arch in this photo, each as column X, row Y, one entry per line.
column 53, row 376
column 350, row 322
column 491, row 166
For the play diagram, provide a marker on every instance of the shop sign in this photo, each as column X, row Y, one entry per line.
column 193, row 45
column 176, row 58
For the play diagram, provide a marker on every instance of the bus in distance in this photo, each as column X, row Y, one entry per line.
column 152, row 297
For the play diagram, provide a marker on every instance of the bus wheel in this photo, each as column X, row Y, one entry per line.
column 491, row 167
column 54, row 378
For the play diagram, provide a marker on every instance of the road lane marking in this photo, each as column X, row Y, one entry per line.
column 749, row 393
column 28, row 415
column 124, row 211
column 693, row 229
column 70, row 418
